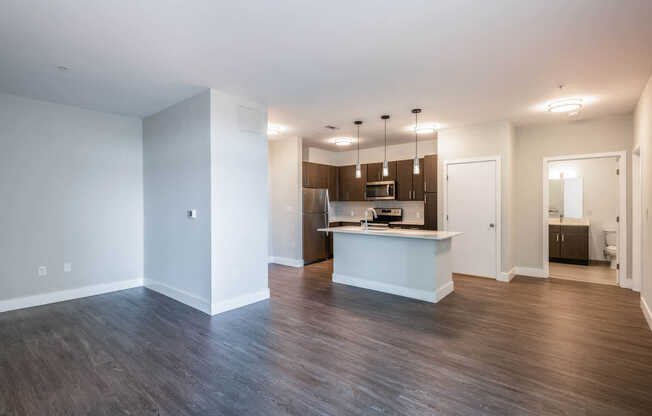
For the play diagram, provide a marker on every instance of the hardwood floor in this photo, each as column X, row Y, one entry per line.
column 594, row 273
column 530, row 347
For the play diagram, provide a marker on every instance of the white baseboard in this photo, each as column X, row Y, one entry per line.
column 239, row 301
column 626, row 283
column 646, row 312
column 507, row 276
column 530, row 272
column 286, row 261
column 179, row 295
column 68, row 294
column 444, row 291
column 425, row 295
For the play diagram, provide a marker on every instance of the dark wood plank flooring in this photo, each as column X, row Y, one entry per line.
column 531, row 347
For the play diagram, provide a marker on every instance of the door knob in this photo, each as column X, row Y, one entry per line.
column 492, row 225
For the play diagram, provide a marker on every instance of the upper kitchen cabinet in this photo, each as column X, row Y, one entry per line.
column 409, row 187
column 430, row 173
column 350, row 187
column 333, row 182
column 375, row 172
column 315, row 175
column 417, row 181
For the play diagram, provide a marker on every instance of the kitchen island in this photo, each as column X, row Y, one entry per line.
column 412, row 263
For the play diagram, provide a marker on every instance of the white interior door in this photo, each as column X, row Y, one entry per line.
column 471, row 209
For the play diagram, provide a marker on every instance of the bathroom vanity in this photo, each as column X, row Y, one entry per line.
column 568, row 240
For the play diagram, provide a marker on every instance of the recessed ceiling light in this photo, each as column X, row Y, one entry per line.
column 343, row 141
column 566, row 105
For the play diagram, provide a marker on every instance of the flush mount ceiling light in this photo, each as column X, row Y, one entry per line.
column 343, row 141
column 274, row 130
column 567, row 105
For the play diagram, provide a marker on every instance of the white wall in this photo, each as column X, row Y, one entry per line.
column 240, row 202
column 177, row 178
column 374, row 154
column 535, row 142
column 285, row 201
column 71, row 191
column 643, row 138
column 488, row 139
column 599, row 195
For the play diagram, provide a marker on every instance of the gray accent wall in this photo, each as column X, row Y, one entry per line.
column 177, row 177
column 71, row 191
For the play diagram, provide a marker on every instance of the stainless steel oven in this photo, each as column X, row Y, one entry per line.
column 380, row 190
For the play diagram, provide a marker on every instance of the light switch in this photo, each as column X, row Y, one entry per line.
column 192, row 213
column 67, row 267
column 42, row 271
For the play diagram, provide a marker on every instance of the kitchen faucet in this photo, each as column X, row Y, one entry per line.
column 366, row 217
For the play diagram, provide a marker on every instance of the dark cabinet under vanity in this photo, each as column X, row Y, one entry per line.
column 568, row 244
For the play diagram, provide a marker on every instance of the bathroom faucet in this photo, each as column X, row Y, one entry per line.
column 366, row 220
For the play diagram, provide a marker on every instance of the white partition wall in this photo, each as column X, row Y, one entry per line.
column 207, row 155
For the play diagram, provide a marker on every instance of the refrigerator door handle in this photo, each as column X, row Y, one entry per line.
column 326, row 222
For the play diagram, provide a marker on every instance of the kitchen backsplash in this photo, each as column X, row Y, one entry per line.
column 412, row 210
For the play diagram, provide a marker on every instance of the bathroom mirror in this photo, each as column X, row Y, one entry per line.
column 566, row 198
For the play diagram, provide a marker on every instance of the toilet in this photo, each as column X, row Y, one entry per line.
column 610, row 250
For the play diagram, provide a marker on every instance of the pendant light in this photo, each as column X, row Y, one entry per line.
column 358, row 171
column 385, row 117
column 416, row 112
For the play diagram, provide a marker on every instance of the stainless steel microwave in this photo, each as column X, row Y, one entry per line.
column 380, row 190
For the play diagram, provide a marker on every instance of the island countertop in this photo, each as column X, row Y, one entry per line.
column 393, row 232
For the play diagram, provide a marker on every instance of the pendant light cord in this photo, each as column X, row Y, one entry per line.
column 385, row 139
column 358, row 144
column 416, row 126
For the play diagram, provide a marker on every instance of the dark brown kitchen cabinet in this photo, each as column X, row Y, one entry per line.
column 350, row 187
column 315, row 175
column 332, row 183
column 430, row 173
column 409, row 187
column 375, row 172
column 430, row 211
column 568, row 243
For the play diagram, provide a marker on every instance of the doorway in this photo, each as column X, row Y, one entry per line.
column 472, row 205
column 584, row 213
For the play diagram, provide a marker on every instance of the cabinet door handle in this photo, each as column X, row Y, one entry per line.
column 557, row 237
column 562, row 238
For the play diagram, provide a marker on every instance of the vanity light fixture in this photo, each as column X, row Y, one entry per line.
column 415, row 168
column 358, row 170
column 385, row 117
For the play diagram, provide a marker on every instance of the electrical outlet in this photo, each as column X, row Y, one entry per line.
column 67, row 267
column 192, row 213
column 42, row 271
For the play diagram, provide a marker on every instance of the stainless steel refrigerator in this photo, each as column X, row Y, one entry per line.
column 316, row 245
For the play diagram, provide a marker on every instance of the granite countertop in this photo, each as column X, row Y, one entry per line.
column 393, row 232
